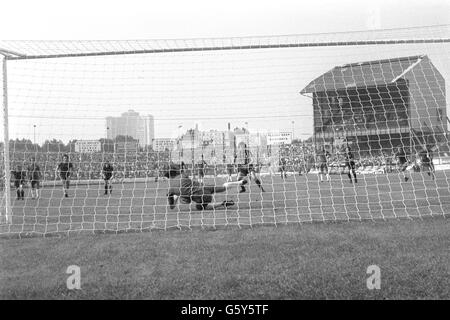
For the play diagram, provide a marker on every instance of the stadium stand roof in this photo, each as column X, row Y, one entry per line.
column 364, row 74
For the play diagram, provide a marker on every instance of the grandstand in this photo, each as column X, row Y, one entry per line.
column 378, row 105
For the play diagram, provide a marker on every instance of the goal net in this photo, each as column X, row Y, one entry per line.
column 117, row 136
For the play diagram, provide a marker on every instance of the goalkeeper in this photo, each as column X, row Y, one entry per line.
column 183, row 188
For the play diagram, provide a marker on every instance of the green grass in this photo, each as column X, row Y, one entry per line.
column 309, row 261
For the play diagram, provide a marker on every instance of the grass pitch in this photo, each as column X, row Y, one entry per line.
column 300, row 260
column 310, row 261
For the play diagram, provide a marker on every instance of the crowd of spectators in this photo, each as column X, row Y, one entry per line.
column 293, row 157
column 302, row 158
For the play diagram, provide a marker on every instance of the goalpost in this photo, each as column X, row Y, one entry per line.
column 289, row 101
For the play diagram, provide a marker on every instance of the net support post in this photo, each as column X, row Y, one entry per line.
column 7, row 176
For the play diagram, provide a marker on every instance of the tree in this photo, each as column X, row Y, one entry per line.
column 21, row 145
column 122, row 138
column 71, row 145
column 54, row 146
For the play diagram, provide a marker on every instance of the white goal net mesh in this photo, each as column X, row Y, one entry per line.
column 324, row 127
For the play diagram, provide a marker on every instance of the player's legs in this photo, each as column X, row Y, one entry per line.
column 240, row 178
column 349, row 173
column 351, row 170
column 432, row 170
column 34, row 189
column 108, row 186
column 20, row 191
column 229, row 177
column 214, row 205
column 347, row 166
column 172, row 199
column 37, row 189
column 354, row 171
column 205, row 200
column 427, row 166
column 257, row 180
column 66, row 184
column 403, row 167
column 322, row 168
column 305, row 169
column 240, row 183
column 214, row 189
column 17, row 186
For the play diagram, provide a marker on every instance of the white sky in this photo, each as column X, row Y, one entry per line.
column 124, row 20
column 145, row 19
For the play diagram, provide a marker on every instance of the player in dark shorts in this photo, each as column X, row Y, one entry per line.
column 402, row 162
column 322, row 162
column 283, row 168
column 350, row 164
column 65, row 169
column 107, row 172
column 230, row 171
column 201, row 166
column 183, row 188
column 426, row 162
column 20, row 177
column 247, row 169
column 306, row 164
column 34, row 175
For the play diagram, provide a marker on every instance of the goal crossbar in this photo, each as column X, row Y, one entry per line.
column 10, row 55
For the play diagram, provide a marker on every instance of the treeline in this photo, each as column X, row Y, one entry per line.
column 55, row 145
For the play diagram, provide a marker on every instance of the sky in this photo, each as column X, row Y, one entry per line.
column 168, row 19
column 69, row 98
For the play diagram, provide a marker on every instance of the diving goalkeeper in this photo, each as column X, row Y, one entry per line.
column 183, row 188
